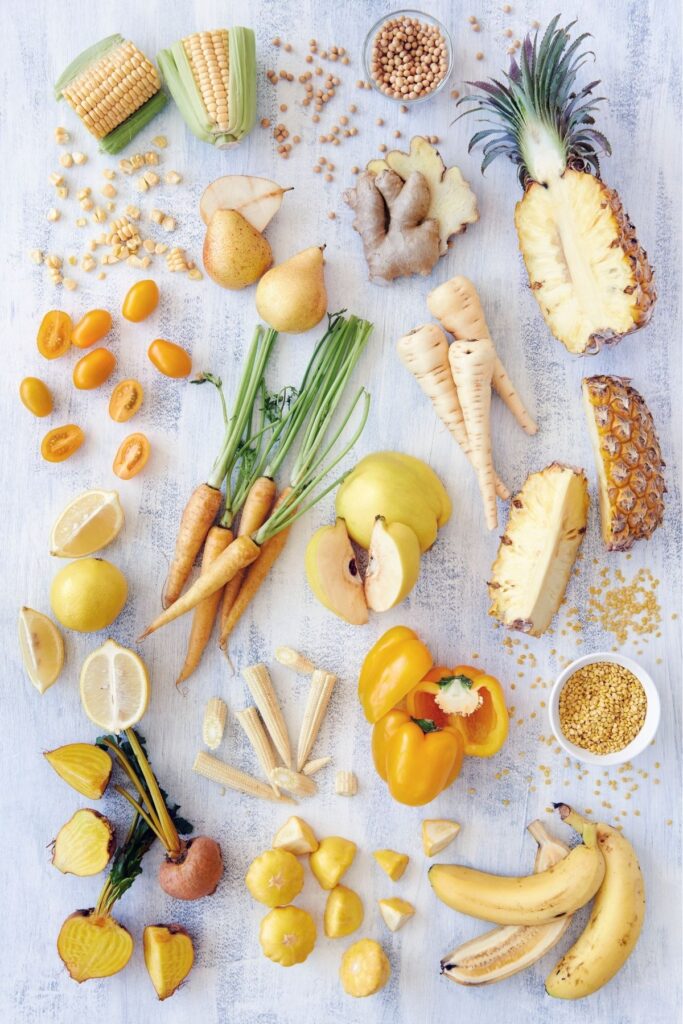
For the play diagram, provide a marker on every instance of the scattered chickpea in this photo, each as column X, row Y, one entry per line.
column 283, row 108
column 276, row 41
column 296, row 139
column 379, row 121
column 472, row 19
column 316, row 169
column 382, row 148
column 508, row 32
column 329, row 177
column 355, row 170
column 507, row 8
column 265, row 122
column 315, row 119
column 479, row 55
column 476, row 28
column 288, row 47
column 332, row 215
column 396, row 133
column 455, row 94
column 312, row 42
column 343, row 120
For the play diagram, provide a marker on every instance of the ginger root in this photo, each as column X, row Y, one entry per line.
column 391, row 218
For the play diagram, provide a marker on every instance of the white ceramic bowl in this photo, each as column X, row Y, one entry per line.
column 370, row 39
column 644, row 737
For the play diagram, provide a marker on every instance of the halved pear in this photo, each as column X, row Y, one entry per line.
column 257, row 199
column 333, row 575
column 235, row 253
column 393, row 566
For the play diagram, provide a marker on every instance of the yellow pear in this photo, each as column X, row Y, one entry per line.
column 292, row 297
column 235, row 253
column 333, row 575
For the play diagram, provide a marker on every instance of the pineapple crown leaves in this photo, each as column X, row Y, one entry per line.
column 540, row 91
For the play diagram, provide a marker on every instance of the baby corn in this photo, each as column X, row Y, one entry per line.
column 258, row 738
column 225, row 775
column 314, row 766
column 345, row 784
column 322, row 684
column 290, row 658
column 215, row 717
column 293, row 782
column 260, row 686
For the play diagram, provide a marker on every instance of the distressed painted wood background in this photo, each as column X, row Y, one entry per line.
column 638, row 47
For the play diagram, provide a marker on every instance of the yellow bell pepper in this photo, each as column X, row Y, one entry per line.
column 416, row 758
column 484, row 729
column 396, row 663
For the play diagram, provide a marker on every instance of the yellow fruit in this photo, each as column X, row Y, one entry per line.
column 83, row 766
column 333, row 576
column 88, row 595
column 331, row 860
column 287, row 935
column 84, row 845
column 169, row 956
column 296, row 836
column 42, row 648
column 291, row 297
column 437, row 833
column 114, row 687
column 364, row 968
column 343, row 912
column 93, row 945
column 275, row 878
column 395, row 912
column 235, row 253
column 394, row 864
column 393, row 564
column 398, row 487
column 87, row 524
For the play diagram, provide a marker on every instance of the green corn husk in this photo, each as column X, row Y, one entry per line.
column 80, row 63
column 119, row 138
column 177, row 75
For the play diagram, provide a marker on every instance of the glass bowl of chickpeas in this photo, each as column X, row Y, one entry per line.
column 408, row 56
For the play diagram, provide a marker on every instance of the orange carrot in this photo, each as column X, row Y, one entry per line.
column 204, row 616
column 238, row 555
column 199, row 514
column 256, row 573
column 256, row 509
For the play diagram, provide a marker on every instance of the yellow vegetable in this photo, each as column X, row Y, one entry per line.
column 364, row 968
column 93, row 945
column 169, row 956
column 394, row 864
column 84, row 845
column 331, row 860
column 343, row 912
column 296, row 836
column 395, row 912
column 437, row 833
column 275, row 878
column 85, row 767
column 287, row 935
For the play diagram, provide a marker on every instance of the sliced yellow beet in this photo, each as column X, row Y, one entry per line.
column 169, row 956
column 85, row 767
column 42, row 648
column 85, row 844
column 93, row 945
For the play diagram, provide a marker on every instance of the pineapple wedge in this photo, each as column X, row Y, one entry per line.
column 537, row 551
column 628, row 458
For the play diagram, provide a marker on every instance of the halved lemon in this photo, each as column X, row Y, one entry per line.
column 114, row 687
column 87, row 524
column 42, row 648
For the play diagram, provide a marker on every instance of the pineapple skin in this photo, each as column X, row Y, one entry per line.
column 631, row 481
column 607, row 240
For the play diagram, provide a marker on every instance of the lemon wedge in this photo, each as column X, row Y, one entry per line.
column 42, row 648
column 87, row 524
column 114, row 687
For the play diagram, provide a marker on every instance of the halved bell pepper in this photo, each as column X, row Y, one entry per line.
column 396, row 663
column 485, row 729
column 417, row 759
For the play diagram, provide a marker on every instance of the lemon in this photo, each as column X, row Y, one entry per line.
column 42, row 648
column 87, row 524
column 114, row 687
column 87, row 595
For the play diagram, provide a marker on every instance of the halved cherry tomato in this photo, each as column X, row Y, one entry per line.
column 59, row 444
column 169, row 358
column 126, row 399
column 141, row 300
column 92, row 370
column 92, row 327
column 54, row 334
column 36, row 396
column 132, row 456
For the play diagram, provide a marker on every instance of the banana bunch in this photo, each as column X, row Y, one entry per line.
column 533, row 912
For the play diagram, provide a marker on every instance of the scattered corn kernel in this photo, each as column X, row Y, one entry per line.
column 173, row 178
column 61, row 136
column 70, row 284
column 36, row 256
column 79, row 158
column 53, row 214
column 160, row 141
column 66, row 160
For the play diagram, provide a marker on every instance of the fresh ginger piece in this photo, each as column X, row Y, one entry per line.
column 392, row 863
column 84, row 844
column 395, row 912
column 93, row 945
column 331, row 860
column 169, row 956
column 453, row 204
column 85, row 767
column 296, row 836
column 437, row 833
column 391, row 218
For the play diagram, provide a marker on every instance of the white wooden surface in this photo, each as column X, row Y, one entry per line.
column 638, row 50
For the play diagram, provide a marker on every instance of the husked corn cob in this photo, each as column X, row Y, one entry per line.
column 345, row 784
column 260, row 685
column 293, row 659
column 293, row 782
column 208, row 57
column 215, row 770
column 314, row 766
column 258, row 738
column 322, row 684
column 215, row 717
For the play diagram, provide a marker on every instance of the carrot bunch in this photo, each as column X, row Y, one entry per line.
column 458, row 379
column 260, row 432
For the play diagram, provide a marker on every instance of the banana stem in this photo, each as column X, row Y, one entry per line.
column 539, row 832
column 586, row 829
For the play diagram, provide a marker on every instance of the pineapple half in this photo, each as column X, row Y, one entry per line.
column 629, row 461
column 537, row 551
column 590, row 276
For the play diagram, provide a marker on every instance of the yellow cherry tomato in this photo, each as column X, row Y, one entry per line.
column 54, row 334
column 132, row 456
column 126, row 399
column 92, row 370
column 141, row 300
column 36, row 396
column 92, row 327
column 169, row 358
column 60, row 444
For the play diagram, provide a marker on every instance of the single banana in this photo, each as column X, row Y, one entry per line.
column 615, row 921
column 506, row 950
column 533, row 899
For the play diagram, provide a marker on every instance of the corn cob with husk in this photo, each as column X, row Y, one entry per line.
column 212, row 78
column 115, row 90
